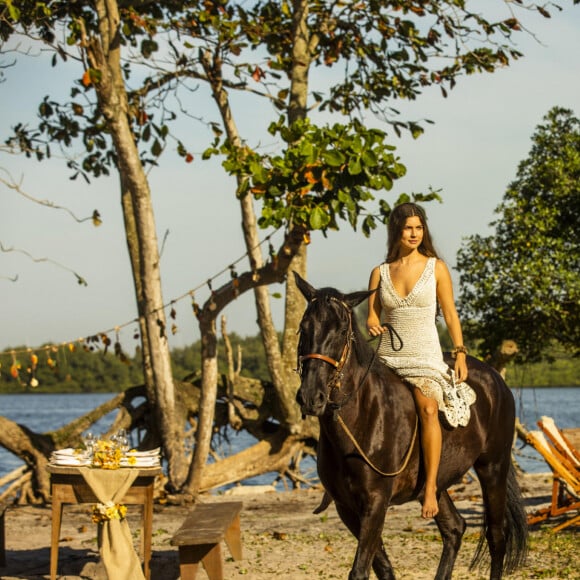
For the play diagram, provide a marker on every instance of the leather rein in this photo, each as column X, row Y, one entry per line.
column 336, row 381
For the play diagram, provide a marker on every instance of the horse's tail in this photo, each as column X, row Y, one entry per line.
column 324, row 503
column 515, row 529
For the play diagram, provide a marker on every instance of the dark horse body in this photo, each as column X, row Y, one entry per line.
column 369, row 454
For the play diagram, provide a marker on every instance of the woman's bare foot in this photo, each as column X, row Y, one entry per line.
column 430, row 505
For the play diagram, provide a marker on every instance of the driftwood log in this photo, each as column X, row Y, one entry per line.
column 250, row 408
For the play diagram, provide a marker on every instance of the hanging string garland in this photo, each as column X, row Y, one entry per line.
column 25, row 373
column 173, row 316
column 194, row 305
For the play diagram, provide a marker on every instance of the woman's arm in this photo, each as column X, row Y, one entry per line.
column 374, row 314
column 447, row 303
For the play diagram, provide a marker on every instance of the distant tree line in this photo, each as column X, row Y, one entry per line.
column 100, row 371
column 86, row 371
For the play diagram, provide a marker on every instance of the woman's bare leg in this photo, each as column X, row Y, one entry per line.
column 431, row 445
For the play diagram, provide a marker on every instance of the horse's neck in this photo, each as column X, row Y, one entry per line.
column 363, row 388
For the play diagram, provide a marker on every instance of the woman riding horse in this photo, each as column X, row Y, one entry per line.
column 407, row 287
column 368, row 452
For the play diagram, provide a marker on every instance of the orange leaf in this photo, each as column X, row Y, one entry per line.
column 512, row 23
column 14, row 371
column 87, row 79
column 189, row 158
column 258, row 74
column 309, row 176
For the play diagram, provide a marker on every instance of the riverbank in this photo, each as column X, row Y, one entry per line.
column 283, row 538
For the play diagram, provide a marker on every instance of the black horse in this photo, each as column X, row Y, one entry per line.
column 369, row 454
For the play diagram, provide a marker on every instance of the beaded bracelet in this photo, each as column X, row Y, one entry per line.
column 459, row 349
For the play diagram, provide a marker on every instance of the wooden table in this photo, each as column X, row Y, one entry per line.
column 69, row 487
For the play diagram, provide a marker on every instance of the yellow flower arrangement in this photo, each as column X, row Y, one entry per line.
column 106, row 455
column 104, row 512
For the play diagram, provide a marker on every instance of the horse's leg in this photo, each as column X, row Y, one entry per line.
column 367, row 530
column 452, row 527
column 382, row 565
column 493, row 480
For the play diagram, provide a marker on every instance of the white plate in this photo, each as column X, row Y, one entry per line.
column 65, row 452
column 140, row 462
column 70, row 462
column 151, row 453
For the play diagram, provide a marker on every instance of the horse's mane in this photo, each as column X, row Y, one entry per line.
column 363, row 351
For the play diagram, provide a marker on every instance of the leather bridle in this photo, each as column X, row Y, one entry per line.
column 335, row 382
column 336, row 379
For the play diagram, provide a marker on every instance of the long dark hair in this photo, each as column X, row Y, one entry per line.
column 397, row 221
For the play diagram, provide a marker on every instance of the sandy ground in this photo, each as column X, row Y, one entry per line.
column 283, row 538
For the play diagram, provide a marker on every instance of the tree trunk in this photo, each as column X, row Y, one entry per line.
column 209, row 380
column 262, row 299
column 293, row 310
column 302, row 46
column 269, row 273
column 104, row 55
column 33, row 449
column 252, row 241
column 133, row 246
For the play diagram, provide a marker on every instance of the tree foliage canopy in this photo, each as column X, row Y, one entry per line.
column 523, row 282
column 381, row 52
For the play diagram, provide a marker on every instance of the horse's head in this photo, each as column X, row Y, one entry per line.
column 327, row 332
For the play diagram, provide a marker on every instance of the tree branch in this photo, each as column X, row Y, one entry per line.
column 79, row 278
column 11, row 184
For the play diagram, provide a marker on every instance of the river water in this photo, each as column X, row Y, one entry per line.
column 43, row 412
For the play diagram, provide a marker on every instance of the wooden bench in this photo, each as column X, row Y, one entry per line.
column 3, row 507
column 199, row 538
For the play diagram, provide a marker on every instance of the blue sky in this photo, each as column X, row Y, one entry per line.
column 481, row 132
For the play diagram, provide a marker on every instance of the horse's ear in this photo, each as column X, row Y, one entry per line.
column 355, row 298
column 308, row 291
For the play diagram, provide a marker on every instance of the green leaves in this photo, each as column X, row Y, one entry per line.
column 523, row 282
column 335, row 158
column 324, row 174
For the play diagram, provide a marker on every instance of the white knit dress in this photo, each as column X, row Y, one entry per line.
column 419, row 361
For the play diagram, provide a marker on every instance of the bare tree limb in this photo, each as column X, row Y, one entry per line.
column 79, row 278
column 11, row 184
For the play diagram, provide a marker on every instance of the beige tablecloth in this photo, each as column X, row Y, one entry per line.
column 114, row 536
